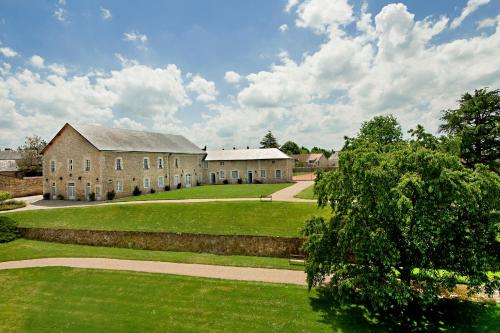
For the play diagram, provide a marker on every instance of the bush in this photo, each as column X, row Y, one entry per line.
column 179, row 186
column 8, row 230
column 240, row 181
column 198, row 183
column 60, row 197
column 92, row 196
column 152, row 190
column 4, row 196
column 46, row 196
column 225, row 182
column 12, row 204
column 136, row 191
column 256, row 181
column 111, row 195
column 167, row 188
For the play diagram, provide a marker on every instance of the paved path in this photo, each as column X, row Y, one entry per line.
column 198, row 270
column 37, row 202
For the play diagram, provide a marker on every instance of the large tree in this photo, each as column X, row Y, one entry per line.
column 477, row 123
column 31, row 162
column 290, row 148
column 407, row 223
column 381, row 130
column 269, row 141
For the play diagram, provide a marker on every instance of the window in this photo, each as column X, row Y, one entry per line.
column 205, row 165
column 221, row 163
column 176, row 163
column 145, row 163
column 161, row 182
column 52, row 166
column 263, row 174
column 221, row 175
column 70, row 165
column 87, row 165
column 273, row 161
column 278, row 173
column 118, row 186
column 160, row 162
column 53, row 190
column 235, row 174
column 146, row 182
column 176, row 180
column 118, row 164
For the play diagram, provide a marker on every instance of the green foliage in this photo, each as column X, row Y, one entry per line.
column 136, row 191
column 477, row 123
column 304, row 150
column 399, row 209
column 381, row 130
column 4, row 196
column 290, row 148
column 31, row 162
column 8, row 230
column 111, row 195
column 11, row 204
column 269, row 141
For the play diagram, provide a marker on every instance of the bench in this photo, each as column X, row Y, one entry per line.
column 297, row 259
column 266, row 198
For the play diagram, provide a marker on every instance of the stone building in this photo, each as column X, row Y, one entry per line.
column 83, row 161
column 250, row 165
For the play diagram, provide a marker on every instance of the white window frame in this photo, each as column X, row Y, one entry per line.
column 263, row 173
column 85, row 165
column 116, row 163
column 53, row 166
column 119, row 186
column 70, row 164
column 144, row 182
column 177, row 180
column 222, row 174
column 160, row 163
column 276, row 173
column 237, row 174
column 162, row 185
column 145, row 163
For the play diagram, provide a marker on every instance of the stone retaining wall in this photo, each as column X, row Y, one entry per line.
column 266, row 246
column 21, row 187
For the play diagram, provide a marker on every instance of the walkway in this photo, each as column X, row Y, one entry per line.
column 198, row 270
column 37, row 202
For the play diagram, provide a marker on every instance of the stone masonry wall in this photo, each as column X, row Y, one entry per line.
column 266, row 246
column 20, row 187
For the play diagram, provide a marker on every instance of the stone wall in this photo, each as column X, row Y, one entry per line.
column 20, row 187
column 266, row 246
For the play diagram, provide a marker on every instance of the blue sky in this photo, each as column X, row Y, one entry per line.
column 162, row 66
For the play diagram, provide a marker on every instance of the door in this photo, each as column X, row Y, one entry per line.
column 250, row 177
column 71, row 191
column 188, row 180
column 98, row 192
column 88, row 190
column 212, row 178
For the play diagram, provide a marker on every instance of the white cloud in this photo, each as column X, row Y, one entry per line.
column 105, row 13
column 135, row 37
column 8, row 52
column 488, row 22
column 232, row 77
column 205, row 90
column 128, row 123
column 60, row 14
column 58, row 69
column 37, row 61
column 283, row 28
column 471, row 7
column 125, row 62
column 291, row 4
column 324, row 15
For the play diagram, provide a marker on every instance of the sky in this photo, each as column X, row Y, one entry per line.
column 223, row 73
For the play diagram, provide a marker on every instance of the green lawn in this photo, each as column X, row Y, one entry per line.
column 245, row 218
column 57, row 299
column 28, row 249
column 307, row 193
column 213, row 192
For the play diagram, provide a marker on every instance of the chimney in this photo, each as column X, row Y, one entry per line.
column 248, row 147
column 234, row 148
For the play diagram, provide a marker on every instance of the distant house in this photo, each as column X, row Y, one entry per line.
column 333, row 161
column 310, row 160
column 8, row 162
column 268, row 165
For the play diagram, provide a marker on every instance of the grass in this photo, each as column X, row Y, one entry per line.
column 12, row 204
column 57, row 299
column 224, row 218
column 300, row 173
column 213, row 192
column 22, row 249
column 307, row 193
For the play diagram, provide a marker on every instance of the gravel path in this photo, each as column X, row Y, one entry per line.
column 198, row 270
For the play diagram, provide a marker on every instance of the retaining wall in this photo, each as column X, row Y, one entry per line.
column 21, row 187
column 266, row 246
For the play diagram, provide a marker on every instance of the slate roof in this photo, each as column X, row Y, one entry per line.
column 307, row 158
column 115, row 139
column 246, row 154
column 10, row 155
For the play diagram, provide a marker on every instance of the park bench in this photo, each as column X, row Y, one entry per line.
column 297, row 259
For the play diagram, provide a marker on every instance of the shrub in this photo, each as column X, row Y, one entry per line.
column 46, row 196
column 167, row 188
column 8, row 230
column 12, row 204
column 60, row 197
column 152, row 190
column 240, row 181
column 92, row 196
column 4, row 196
column 179, row 186
column 225, row 182
column 111, row 195
column 136, row 191
column 198, row 183
column 256, row 181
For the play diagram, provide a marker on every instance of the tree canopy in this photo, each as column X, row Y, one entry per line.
column 269, row 141
column 31, row 162
column 381, row 130
column 290, row 148
column 476, row 123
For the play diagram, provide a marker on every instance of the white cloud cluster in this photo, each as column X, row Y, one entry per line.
column 488, row 22
column 324, row 15
column 283, row 28
column 135, row 37
column 105, row 13
column 60, row 13
column 232, row 77
column 205, row 90
column 471, row 7
column 8, row 52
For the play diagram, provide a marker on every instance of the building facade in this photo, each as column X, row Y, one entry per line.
column 82, row 162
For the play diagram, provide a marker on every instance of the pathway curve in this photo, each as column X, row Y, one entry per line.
column 198, row 270
column 37, row 202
